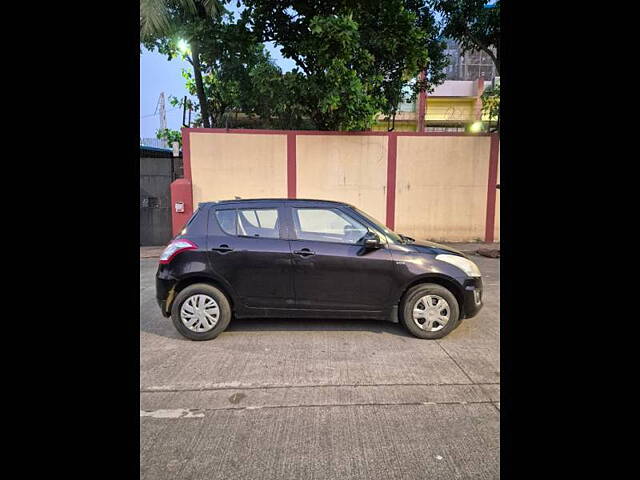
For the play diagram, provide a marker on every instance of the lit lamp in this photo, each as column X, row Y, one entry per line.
column 476, row 127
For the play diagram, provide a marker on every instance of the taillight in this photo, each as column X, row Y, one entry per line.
column 175, row 248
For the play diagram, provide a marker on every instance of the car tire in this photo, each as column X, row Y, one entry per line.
column 414, row 296
column 201, row 290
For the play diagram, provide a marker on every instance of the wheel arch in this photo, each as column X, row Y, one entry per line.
column 450, row 284
column 214, row 282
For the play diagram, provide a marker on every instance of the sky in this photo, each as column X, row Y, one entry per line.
column 157, row 75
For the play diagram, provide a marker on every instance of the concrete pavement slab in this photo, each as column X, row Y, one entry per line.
column 475, row 344
column 279, row 398
column 357, row 442
column 279, row 352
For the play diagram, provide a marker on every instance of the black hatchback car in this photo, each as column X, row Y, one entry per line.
column 309, row 259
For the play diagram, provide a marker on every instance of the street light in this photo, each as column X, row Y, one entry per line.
column 476, row 127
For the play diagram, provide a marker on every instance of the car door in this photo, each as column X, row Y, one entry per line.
column 331, row 268
column 248, row 249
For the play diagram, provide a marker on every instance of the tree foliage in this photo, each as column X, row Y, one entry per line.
column 491, row 103
column 169, row 136
column 231, row 73
column 165, row 17
column 352, row 58
column 474, row 24
column 231, row 60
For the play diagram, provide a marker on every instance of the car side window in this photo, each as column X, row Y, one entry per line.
column 261, row 223
column 250, row 222
column 327, row 225
column 227, row 221
column 267, row 218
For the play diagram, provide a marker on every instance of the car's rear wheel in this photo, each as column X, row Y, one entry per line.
column 430, row 311
column 201, row 312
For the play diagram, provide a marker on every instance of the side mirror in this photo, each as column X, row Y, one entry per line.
column 371, row 241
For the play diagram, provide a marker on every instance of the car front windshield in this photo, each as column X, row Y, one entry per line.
column 393, row 236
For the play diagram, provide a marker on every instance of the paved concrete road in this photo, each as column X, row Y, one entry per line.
column 338, row 399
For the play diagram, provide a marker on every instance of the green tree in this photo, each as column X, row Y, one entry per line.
column 353, row 58
column 237, row 68
column 339, row 95
column 253, row 85
column 241, row 77
column 475, row 24
column 232, row 72
column 170, row 136
column 491, row 104
column 165, row 23
column 273, row 97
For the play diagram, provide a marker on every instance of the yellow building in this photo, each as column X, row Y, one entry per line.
column 452, row 106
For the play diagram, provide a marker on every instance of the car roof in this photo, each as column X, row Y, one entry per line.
column 248, row 201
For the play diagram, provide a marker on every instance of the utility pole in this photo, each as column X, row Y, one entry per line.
column 163, row 113
column 422, row 104
column 186, row 123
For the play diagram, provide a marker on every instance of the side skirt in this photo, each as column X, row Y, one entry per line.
column 246, row 312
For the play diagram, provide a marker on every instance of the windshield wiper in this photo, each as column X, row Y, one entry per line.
column 407, row 239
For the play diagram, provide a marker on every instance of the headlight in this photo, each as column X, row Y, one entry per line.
column 467, row 266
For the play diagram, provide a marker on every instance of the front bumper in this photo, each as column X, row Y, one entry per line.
column 473, row 301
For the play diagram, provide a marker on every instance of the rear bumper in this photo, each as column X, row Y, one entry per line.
column 164, row 294
column 473, row 301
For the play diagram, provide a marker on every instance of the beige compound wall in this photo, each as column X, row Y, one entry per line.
column 226, row 165
column 441, row 181
column 441, row 187
column 346, row 168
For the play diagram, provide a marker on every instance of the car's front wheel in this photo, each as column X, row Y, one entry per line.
column 201, row 312
column 430, row 311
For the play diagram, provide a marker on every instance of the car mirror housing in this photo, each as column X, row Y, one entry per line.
column 372, row 241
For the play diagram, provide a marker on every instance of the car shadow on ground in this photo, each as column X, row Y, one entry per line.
column 164, row 326
column 315, row 325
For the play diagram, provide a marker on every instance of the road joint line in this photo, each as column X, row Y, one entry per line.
column 272, row 387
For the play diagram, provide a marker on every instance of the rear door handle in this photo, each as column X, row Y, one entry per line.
column 223, row 248
column 305, row 252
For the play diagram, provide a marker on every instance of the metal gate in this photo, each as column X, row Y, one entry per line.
column 156, row 175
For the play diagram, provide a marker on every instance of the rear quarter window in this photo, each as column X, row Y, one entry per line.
column 228, row 221
column 249, row 222
column 258, row 222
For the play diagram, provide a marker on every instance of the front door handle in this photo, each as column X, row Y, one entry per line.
column 305, row 252
column 223, row 248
